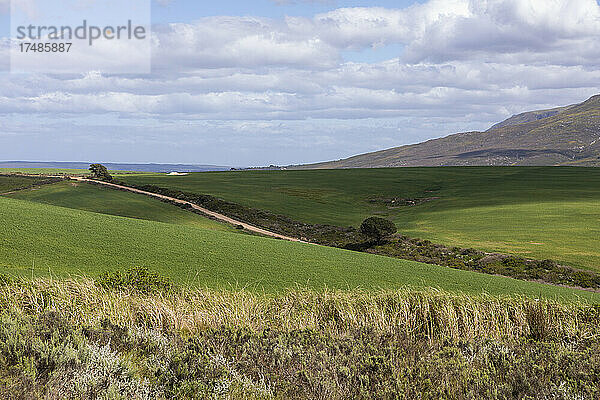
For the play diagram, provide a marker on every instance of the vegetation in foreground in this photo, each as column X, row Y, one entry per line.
column 42, row 240
column 81, row 339
column 494, row 209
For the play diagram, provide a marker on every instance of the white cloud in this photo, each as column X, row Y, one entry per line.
column 465, row 65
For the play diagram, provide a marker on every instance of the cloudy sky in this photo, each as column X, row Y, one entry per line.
column 287, row 81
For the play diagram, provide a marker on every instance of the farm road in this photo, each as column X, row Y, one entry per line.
column 203, row 210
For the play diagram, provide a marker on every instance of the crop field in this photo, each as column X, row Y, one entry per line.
column 10, row 183
column 538, row 212
column 41, row 240
column 88, row 197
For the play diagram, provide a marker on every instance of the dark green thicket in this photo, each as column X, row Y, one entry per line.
column 489, row 263
column 377, row 228
column 100, row 172
column 5, row 280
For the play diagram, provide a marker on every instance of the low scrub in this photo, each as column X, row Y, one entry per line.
column 490, row 263
column 138, row 279
column 75, row 339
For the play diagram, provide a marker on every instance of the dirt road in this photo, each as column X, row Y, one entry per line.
column 203, row 210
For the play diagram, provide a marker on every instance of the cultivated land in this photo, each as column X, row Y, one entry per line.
column 538, row 212
column 235, row 324
column 10, row 183
column 88, row 197
column 39, row 240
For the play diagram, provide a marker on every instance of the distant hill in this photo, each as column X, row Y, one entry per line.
column 561, row 136
column 115, row 166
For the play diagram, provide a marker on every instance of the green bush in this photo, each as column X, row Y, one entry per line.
column 138, row 279
column 378, row 228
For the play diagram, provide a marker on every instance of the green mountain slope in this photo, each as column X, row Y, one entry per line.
column 562, row 136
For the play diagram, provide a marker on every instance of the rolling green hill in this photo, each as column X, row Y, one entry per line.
column 88, row 197
column 38, row 239
column 9, row 183
column 562, row 136
column 538, row 212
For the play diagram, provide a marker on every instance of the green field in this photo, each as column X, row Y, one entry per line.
column 538, row 212
column 41, row 240
column 10, row 183
column 88, row 197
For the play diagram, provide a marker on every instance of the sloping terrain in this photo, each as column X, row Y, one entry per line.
column 563, row 136
column 8, row 183
column 88, row 197
column 42, row 240
column 537, row 212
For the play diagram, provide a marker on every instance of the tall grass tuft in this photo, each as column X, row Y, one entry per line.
column 413, row 314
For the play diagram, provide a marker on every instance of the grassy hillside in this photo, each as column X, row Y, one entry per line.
column 87, row 197
column 539, row 212
column 9, row 183
column 39, row 239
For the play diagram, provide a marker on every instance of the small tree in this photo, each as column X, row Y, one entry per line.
column 378, row 228
column 100, row 172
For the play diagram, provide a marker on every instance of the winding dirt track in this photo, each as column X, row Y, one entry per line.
column 203, row 210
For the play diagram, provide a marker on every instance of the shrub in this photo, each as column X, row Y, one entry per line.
column 100, row 172
column 378, row 228
column 404, row 344
column 138, row 279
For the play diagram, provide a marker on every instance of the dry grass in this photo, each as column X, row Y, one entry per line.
column 408, row 313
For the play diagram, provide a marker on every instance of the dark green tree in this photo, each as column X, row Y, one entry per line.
column 377, row 228
column 100, row 172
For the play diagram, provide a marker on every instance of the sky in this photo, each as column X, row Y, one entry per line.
column 242, row 83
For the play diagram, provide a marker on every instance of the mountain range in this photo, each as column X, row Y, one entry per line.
column 567, row 135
